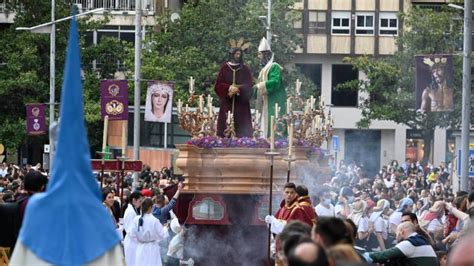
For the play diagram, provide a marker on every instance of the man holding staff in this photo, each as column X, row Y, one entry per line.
column 269, row 87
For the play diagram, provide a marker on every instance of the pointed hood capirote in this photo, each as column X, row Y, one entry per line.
column 264, row 45
column 67, row 224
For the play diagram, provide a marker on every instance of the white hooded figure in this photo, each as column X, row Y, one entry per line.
column 159, row 102
column 176, row 246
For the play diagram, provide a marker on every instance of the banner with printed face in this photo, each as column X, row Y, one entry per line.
column 434, row 83
column 114, row 99
column 35, row 119
column 159, row 101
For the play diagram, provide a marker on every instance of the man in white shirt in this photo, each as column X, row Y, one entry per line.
column 325, row 207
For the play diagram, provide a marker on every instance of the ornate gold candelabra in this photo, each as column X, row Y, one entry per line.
column 311, row 122
column 201, row 121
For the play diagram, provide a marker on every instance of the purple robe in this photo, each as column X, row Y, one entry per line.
column 242, row 116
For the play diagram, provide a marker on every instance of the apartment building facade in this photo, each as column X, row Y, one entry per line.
column 334, row 29
column 331, row 30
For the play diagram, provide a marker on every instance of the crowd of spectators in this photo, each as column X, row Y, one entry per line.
column 407, row 214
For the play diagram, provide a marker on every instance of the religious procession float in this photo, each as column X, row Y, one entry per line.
column 234, row 179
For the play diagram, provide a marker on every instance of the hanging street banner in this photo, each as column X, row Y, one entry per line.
column 114, row 99
column 434, row 83
column 35, row 119
column 159, row 101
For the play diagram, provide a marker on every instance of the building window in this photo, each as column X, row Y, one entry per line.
column 388, row 24
column 365, row 24
column 341, row 23
column 313, row 72
column 343, row 97
column 317, row 21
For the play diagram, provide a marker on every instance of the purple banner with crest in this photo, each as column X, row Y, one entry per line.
column 114, row 99
column 35, row 119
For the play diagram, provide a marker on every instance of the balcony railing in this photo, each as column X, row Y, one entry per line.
column 114, row 5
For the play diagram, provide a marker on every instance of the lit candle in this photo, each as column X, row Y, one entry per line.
column 104, row 137
column 187, row 108
column 277, row 110
column 290, row 140
column 201, row 103
column 257, row 116
column 311, row 100
column 191, row 85
column 288, row 108
column 209, row 105
column 298, row 87
column 180, row 105
column 288, row 105
column 321, row 102
column 228, row 117
column 124, row 137
column 272, row 133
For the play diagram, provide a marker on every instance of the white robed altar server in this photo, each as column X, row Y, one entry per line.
column 130, row 242
column 148, row 231
column 67, row 224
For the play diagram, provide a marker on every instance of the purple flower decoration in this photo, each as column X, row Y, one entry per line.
column 209, row 142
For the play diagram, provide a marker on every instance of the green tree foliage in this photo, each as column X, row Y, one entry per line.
column 197, row 43
column 390, row 80
column 25, row 68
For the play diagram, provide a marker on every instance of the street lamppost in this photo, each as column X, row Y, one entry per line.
column 137, row 92
column 267, row 21
column 50, row 28
column 466, row 92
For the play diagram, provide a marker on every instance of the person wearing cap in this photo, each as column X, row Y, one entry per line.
column 270, row 90
column 147, row 193
column 406, row 205
column 234, row 88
